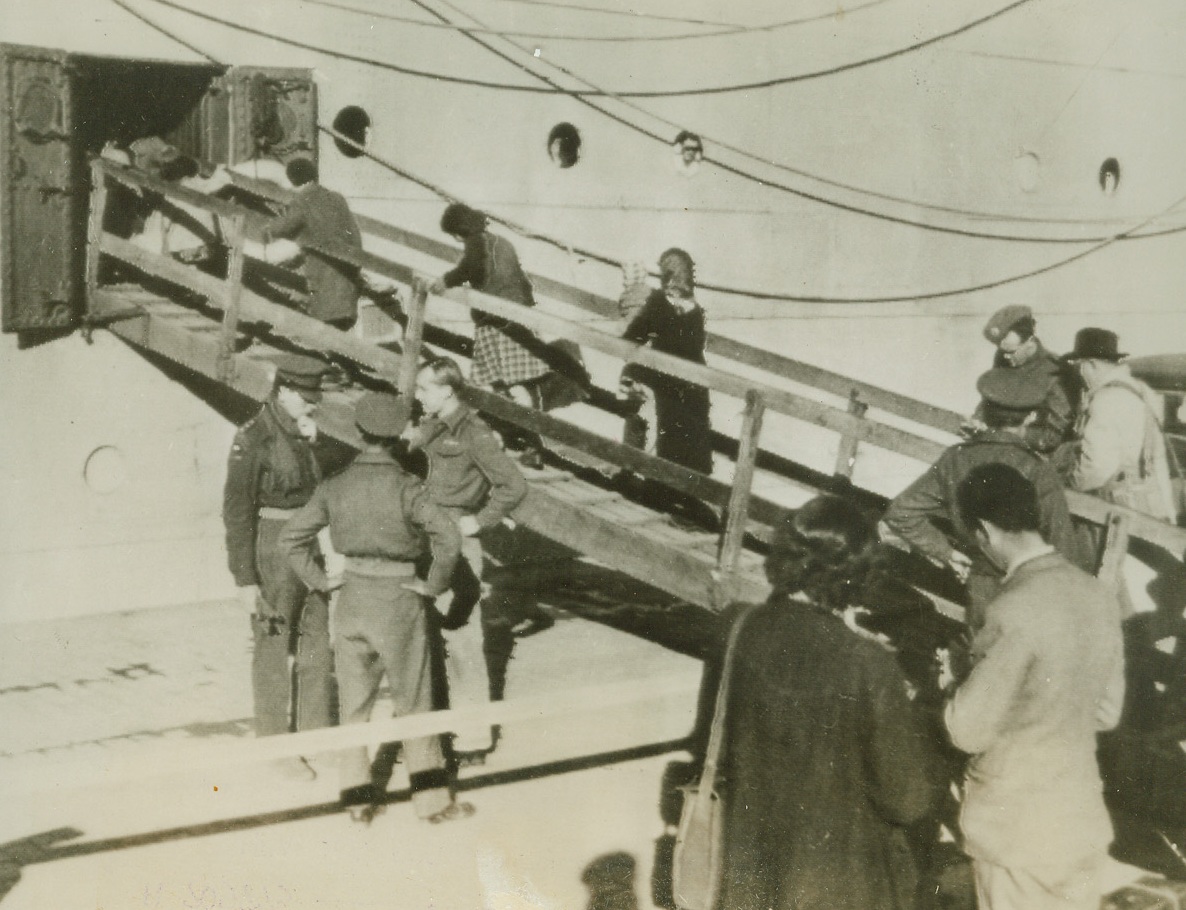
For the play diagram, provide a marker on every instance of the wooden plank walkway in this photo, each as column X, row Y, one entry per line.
column 624, row 535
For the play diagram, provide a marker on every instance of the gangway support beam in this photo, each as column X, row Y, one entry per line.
column 236, row 235
column 846, row 455
column 736, row 513
column 94, row 232
column 413, row 337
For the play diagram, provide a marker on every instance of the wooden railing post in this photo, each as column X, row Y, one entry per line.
column 94, row 232
column 409, row 364
column 846, row 456
column 737, row 511
column 1115, row 549
column 235, row 228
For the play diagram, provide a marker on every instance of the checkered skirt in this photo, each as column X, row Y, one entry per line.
column 498, row 358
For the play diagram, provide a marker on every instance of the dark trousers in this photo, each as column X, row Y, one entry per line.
column 379, row 627
column 289, row 621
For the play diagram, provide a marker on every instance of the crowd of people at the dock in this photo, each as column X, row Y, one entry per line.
column 837, row 761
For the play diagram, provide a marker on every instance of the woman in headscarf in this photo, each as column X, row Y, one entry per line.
column 503, row 356
column 672, row 321
column 825, row 762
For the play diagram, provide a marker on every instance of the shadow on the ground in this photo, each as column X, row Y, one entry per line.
column 46, row 847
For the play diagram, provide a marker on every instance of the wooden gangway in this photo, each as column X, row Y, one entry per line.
column 212, row 324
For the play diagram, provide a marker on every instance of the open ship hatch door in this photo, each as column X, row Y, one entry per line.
column 40, row 200
column 60, row 110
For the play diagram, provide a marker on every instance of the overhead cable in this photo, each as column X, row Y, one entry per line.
column 771, row 184
column 718, row 288
column 673, row 93
column 612, row 39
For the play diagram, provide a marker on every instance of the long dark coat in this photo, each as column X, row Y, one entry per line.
column 825, row 765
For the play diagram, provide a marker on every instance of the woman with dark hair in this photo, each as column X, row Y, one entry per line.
column 502, row 358
column 825, row 763
column 672, row 321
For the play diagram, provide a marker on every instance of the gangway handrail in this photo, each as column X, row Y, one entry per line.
column 166, row 758
column 1083, row 505
column 885, row 436
column 919, row 412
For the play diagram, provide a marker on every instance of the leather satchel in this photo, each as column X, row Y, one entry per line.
column 698, row 863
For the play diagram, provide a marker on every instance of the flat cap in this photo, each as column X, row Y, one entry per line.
column 300, row 372
column 1004, row 319
column 382, row 414
column 1013, row 389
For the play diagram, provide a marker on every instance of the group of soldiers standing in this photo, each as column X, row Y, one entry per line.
column 404, row 542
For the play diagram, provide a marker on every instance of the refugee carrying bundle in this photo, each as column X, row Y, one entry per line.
column 697, row 865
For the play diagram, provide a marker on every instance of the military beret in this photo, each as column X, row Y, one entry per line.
column 1009, row 388
column 1004, row 319
column 382, row 414
column 296, row 371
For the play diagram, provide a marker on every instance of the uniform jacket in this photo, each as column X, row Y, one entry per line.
column 1121, row 454
column 1055, row 417
column 373, row 509
column 271, row 465
column 826, row 764
column 468, row 469
column 491, row 265
column 1048, row 673
column 318, row 215
column 914, row 513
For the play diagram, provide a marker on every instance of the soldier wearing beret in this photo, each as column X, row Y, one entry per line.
column 919, row 513
column 272, row 472
column 378, row 516
column 1011, row 330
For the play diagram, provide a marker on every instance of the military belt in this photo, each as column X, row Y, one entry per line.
column 380, row 566
column 276, row 514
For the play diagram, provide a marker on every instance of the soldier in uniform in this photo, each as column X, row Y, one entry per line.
column 479, row 485
column 272, row 472
column 1011, row 330
column 377, row 515
column 916, row 514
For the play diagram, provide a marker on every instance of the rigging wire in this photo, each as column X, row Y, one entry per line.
column 672, row 93
column 722, row 289
column 168, row 34
column 783, row 187
column 615, row 39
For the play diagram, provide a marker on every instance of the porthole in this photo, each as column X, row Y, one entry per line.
column 1109, row 176
column 355, row 124
column 1028, row 170
column 105, row 470
column 564, row 145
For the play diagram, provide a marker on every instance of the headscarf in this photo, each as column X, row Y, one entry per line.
column 460, row 219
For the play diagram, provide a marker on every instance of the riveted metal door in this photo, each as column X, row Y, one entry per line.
column 272, row 112
column 39, row 192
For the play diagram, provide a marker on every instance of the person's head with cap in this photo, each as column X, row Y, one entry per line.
column 1095, row 354
column 1011, row 329
column 1009, row 398
column 301, row 172
column 381, row 417
column 298, row 383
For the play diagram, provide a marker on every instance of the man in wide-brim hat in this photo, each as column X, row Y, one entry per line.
column 1119, row 450
column 378, row 516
